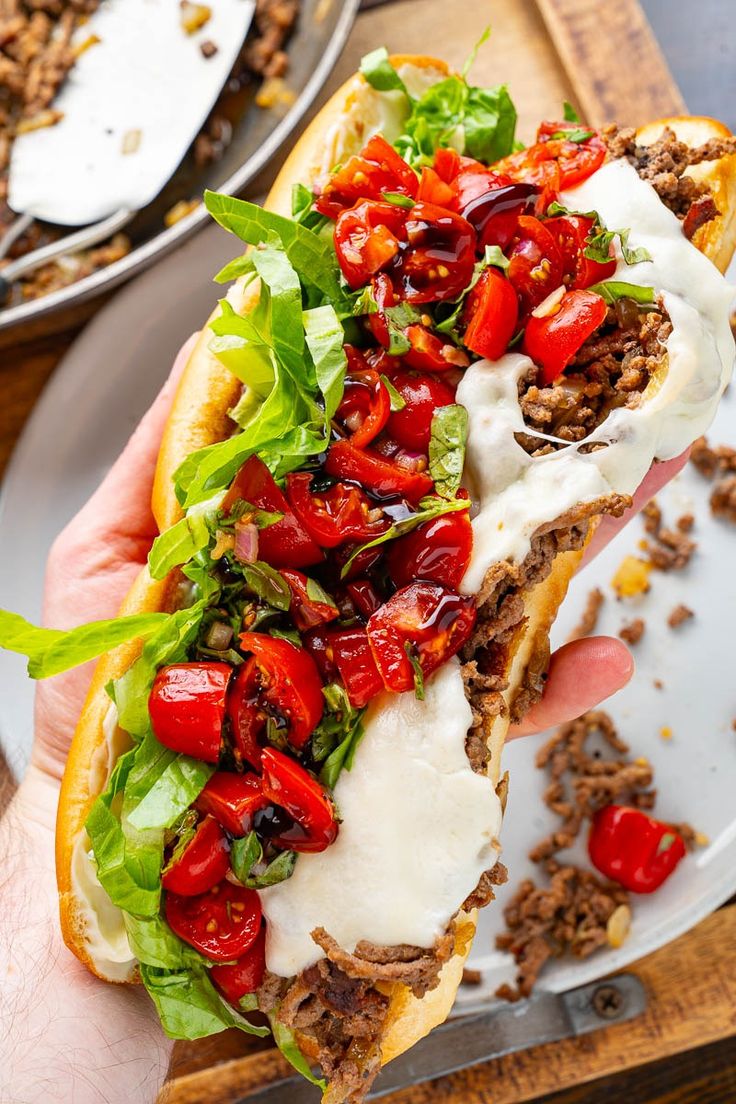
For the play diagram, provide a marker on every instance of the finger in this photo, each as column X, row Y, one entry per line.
column 581, row 674
column 656, row 478
column 122, row 502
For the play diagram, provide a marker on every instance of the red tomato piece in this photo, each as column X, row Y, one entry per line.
column 576, row 160
column 382, row 477
column 378, row 168
column 384, row 296
column 364, row 596
column 187, row 707
column 236, row 979
column 439, row 262
column 290, row 686
column 535, row 267
column 247, row 719
column 344, row 655
column 491, row 313
column 438, row 550
column 571, row 234
column 363, row 561
column 367, row 238
column 365, row 407
column 290, row 786
column 447, row 163
column 307, row 612
column 284, row 544
column 341, row 513
column 495, row 211
column 232, row 799
column 433, row 189
column 429, row 620
column 430, row 353
column 412, row 425
column 535, row 165
column 202, row 864
column 221, row 924
column 633, row 849
column 554, row 340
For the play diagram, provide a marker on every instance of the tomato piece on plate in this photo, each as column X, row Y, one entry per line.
column 201, row 863
column 365, row 407
column 378, row 168
column 221, row 924
column 423, row 620
column 284, row 544
column 236, row 979
column 187, row 707
column 247, row 719
column 340, row 513
column 290, row 686
column 535, row 267
column 491, row 313
column 383, row 477
column 438, row 551
column 367, row 238
column 633, row 849
column 535, row 165
column 423, row 394
column 571, row 234
column 439, row 262
column 552, row 341
column 291, row 787
column 576, row 160
column 307, row 610
column 233, row 800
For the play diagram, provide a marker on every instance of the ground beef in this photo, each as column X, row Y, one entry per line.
column 633, row 631
column 611, row 369
column 483, row 893
column 723, row 499
column 416, row 967
column 711, row 462
column 471, row 977
column 670, row 549
column 589, row 619
column 664, row 164
column 679, row 615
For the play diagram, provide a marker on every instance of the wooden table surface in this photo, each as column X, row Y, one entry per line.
column 692, row 984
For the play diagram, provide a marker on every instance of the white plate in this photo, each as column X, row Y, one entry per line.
column 87, row 412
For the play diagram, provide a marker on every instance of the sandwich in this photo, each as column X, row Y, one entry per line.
column 442, row 360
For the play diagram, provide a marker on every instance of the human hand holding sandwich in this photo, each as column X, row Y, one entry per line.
column 58, row 1024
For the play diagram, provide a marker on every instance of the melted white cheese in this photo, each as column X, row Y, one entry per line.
column 419, row 828
column 516, row 493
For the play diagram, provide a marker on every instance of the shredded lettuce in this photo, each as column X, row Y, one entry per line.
column 153, row 942
column 380, row 73
column 188, row 1004
column 50, row 651
column 178, row 544
column 286, row 1043
column 178, row 786
column 447, row 448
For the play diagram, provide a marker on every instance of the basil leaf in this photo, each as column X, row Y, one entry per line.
column 613, row 290
column 189, row 1006
column 569, row 114
column 240, row 509
column 267, row 584
column 286, row 1043
column 599, row 241
column 418, row 672
column 325, row 340
column 244, row 854
column 494, row 256
column 380, row 73
column 302, row 208
column 398, row 318
column 153, row 943
column 174, row 791
column 51, row 651
column 447, row 448
column 344, row 754
column 573, row 134
column 431, row 508
column 398, row 199
column 398, row 402
column 338, row 721
column 277, row 871
column 178, row 544
column 449, row 325
column 315, row 593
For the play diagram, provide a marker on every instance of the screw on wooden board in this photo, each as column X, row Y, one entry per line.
column 608, row 1002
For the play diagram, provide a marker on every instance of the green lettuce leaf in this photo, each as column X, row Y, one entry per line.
column 479, row 122
column 380, row 73
column 51, row 651
column 286, row 1043
column 153, row 942
column 430, row 508
column 447, row 448
column 178, row 544
column 179, row 785
column 325, row 340
column 189, row 1006
column 613, row 290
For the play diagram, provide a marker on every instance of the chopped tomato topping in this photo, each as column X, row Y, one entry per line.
column 571, row 234
column 233, row 800
column 290, row 786
column 365, row 407
column 187, row 707
column 342, row 512
column 377, row 169
column 380, row 476
column 423, row 394
column 290, row 688
column 307, row 612
column 367, row 238
column 201, row 864
column 438, row 551
column 553, row 340
column 221, row 924
column 535, row 267
column 236, row 979
column 491, row 313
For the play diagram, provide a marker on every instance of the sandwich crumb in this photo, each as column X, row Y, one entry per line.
column 723, row 499
column 471, row 977
column 632, row 577
column 665, row 732
column 658, row 684
column 679, row 614
column 589, row 619
column 633, row 631
column 711, row 462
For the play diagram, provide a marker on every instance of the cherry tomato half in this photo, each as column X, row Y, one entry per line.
column 412, row 425
column 367, row 238
column 535, row 267
column 365, row 407
column 491, row 313
column 433, row 189
column 430, row 353
column 494, row 212
column 429, row 620
column 380, row 476
column 576, row 160
column 307, row 612
column 345, row 655
column 439, row 262
column 290, row 786
column 290, row 685
column 284, row 544
column 378, row 168
column 247, row 719
column 221, row 924
column 202, row 863
column 438, row 550
column 236, row 979
column 187, row 707
column 571, row 234
column 554, row 340
column 233, row 800
column 364, row 597
column 341, row 513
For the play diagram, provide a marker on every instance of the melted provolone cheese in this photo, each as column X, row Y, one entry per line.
column 515, row 493
column 418, row 829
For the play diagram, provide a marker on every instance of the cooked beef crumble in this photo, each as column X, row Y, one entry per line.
column 633, row 631
column 679, row 615
column 670, row 549
column 589, row 619
column 723, row 499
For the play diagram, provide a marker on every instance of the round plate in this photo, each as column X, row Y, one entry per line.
column 78, row 428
